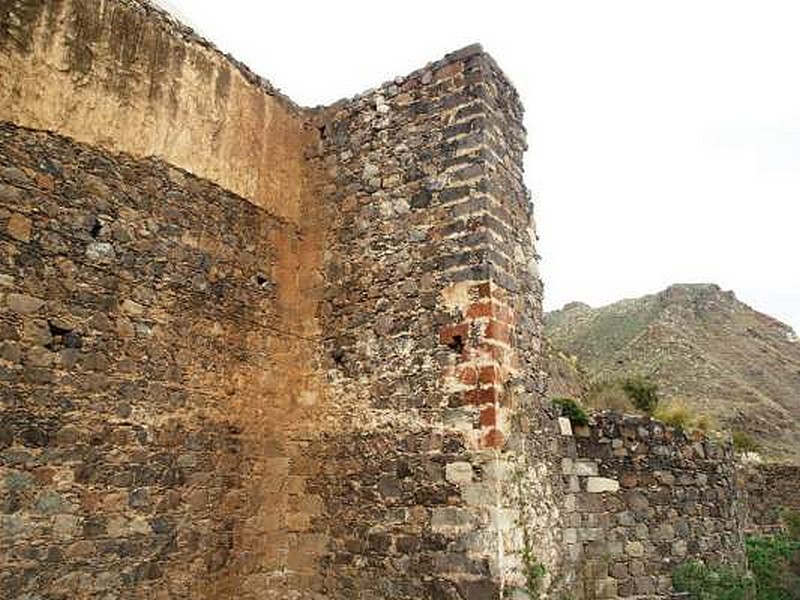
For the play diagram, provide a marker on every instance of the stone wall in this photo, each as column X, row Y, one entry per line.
column 771, row 489
column 256, row 351
column 156, row 381
column 644, row 498
column 380, row 399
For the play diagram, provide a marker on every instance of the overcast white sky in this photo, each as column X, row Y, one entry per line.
column 664, row 136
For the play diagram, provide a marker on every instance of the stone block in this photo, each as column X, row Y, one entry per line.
column 596, row 485
column 66, row 526
column 606, row 588
column 458, row 472
column 614, row 548
column 637, row 502
column 619, row 570
column 452, row 519
column 132, row 308
column 645, row 586
column 679, row 548
column 479, row 494
column 585, row 468
column 665, row 532
column 590, row 534
column 24, row 304
column 564, row 426
column 503, row 519
column 626, row 588
column 636, row 567
column 496, row 470
column 479, row 590
column 634, row 549
column 625, row 518
column 665, row 478
column 582, row 431
column 100, row 252
column 19, row 227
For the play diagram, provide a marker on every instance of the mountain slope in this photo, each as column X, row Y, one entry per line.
column 701, row 345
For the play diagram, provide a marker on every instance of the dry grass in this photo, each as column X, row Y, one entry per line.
column 676, row 413
column 609, row 395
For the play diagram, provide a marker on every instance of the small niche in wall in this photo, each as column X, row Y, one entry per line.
column 62, row 337
column 96, row 228
column 456, row 344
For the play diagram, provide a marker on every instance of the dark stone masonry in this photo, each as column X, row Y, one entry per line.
column 645, row 497
column 771, row 490
column 251, row 350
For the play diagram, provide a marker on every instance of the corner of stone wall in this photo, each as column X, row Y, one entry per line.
column 433, row 322
column 499, row 372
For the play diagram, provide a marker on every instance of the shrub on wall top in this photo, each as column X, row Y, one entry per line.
column 572, row 410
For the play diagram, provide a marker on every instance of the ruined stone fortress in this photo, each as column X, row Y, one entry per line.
column 251, row 350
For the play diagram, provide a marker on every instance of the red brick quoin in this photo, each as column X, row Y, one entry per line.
column 483, row 339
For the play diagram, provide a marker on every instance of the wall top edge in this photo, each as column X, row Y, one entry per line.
column 174, row 26
column 472, row 51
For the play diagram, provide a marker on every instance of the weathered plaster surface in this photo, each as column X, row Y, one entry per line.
column 122, row 76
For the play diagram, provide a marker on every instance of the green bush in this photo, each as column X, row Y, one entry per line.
column 704, row 582
column 791, row 518
column 572, row 410
column 642, row 392
column 775, row 564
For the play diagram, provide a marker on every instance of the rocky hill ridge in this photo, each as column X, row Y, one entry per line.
column 702, row 346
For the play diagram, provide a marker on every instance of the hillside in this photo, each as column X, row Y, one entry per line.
column 702, row 346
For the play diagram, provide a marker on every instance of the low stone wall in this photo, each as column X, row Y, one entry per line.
column 644, row 498
column 771, row 489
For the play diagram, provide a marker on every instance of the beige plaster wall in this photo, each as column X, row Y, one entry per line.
column 123, row 76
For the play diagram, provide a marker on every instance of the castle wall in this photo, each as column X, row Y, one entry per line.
column 208, row 303
column 644, row 499
column 123, row 76
column 261, row 352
